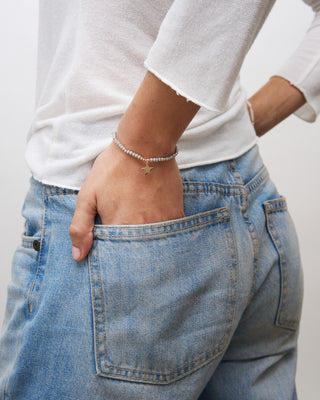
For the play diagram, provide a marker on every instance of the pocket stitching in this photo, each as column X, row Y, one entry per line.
column 205, row 358
column 271, row 207
column 283, row 271
column 206, row 218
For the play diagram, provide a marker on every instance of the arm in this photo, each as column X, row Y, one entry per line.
column 274, row 102
column 295, row 87
column 157, row 116
column 151, row 126
column 116, row 187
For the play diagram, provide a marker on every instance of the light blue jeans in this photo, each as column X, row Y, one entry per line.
column 202, row 307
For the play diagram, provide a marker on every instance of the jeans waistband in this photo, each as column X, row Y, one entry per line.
column 238, row 176
column 229, row 189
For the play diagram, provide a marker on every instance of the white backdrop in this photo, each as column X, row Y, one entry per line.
column 290, row 151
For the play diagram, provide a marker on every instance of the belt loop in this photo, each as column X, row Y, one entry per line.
column 238, row 180
column 235, row 174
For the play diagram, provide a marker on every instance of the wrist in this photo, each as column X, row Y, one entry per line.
column 155, row 118
column 146, row 159
column 138, row 168
column 145, row 140
column 274, row 102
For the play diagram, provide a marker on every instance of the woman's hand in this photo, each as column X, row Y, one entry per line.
column 118, row 190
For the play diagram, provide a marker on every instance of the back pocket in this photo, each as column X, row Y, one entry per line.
column 163, row 296
column 284, row 237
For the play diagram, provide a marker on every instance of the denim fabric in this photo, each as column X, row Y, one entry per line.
column 203, row 307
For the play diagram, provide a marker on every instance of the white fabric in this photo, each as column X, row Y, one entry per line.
column 303, row 67
column 93, row 55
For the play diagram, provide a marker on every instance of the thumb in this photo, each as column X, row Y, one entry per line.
column 82, row 225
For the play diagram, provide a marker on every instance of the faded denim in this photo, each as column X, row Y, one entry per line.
column 204, row 307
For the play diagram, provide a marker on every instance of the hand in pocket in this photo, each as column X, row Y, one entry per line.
column 118, row 190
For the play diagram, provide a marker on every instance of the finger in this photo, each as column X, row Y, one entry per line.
column 82, row 225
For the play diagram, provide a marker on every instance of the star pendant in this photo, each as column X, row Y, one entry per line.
column 147, row 169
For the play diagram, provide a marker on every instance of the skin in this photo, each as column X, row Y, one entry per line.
column 116, row 187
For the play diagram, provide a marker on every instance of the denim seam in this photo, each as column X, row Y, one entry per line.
column 95, row 330
column 247, row 189
column 102, row 310
column 235, row 174
column 160, row 234
column 57, row 191
column 276, row 205
column 228, row 190
column 209, row 356
column 39, row 253
column 206, row 357
column 211, row 191
column 207, row 361
column 208, row 215
column 233, row 271
column 255, row 248
column 257, row 180
column 95, row 313
column 278, row 245
column 276, row 240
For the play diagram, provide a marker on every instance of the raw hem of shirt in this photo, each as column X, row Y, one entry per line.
column 184, row 166
column 180, row 92
column 312, row 117
column 225, row 158
column 52, row 183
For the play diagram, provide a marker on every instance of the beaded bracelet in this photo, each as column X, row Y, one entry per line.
column 147, row 169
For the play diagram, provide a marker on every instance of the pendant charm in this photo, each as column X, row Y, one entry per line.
column 147, row 169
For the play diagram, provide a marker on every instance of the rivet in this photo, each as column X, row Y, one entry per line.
column 36, row 245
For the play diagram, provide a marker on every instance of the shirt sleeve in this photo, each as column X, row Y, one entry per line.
column 201, row 45
column 302, row 68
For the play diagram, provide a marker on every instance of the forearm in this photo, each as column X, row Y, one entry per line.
column 155, row 119
column 274, row 102
column 157, row 116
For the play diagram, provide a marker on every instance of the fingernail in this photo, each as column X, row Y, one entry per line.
column 75, row 253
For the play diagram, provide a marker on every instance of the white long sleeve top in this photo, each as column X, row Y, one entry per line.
column 93, row 55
